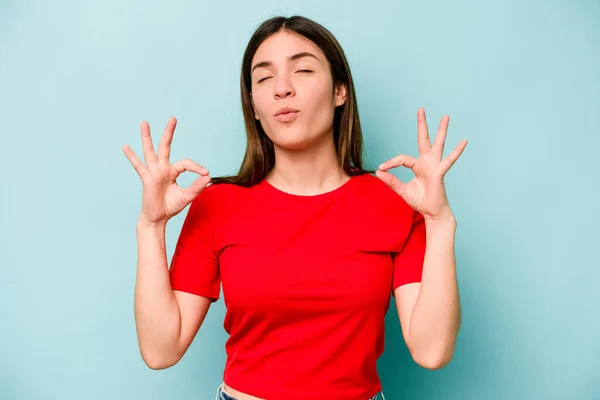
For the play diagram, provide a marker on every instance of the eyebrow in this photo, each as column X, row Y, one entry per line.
column 294, row 57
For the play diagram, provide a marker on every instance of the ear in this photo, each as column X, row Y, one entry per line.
column 340, row 94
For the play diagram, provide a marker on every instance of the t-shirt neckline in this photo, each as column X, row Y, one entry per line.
column 310, row 197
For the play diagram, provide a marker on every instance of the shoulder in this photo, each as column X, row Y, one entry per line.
column 219, row 194
column 372, row 182
column 224, row 197
column 374, row 188
column 379, row 201
column 215, row 190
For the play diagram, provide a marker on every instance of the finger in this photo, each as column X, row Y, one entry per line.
column 189, row 165
column 196, row 187
column 449, row 161
column 440, row 138
column 394, row 183
column 164, row 147
column 397, row 161
column 139, row 166
column 149, row 155
column 423, row 134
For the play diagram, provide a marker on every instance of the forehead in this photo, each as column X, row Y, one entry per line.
column 283, row 44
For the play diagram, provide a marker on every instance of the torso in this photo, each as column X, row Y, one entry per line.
column 306, row 281
column 239, row 395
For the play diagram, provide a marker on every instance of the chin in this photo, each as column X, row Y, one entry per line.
column 292, row 144
column 292, row 141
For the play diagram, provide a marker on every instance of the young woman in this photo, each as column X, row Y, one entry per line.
column 307, row 245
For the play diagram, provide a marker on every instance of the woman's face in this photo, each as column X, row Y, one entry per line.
column 290, row 71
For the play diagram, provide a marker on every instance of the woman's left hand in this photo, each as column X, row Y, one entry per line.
column 426, row 193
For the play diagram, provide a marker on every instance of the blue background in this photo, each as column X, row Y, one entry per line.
column 520, row 81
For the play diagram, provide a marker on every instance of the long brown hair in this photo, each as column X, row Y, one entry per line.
column 260, row 156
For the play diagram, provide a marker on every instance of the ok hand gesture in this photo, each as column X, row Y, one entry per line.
column 426, row 193
column 162, row 198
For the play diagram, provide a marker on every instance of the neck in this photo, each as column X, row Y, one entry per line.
column 307, row 171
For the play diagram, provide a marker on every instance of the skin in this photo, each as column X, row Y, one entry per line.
column 306, row 161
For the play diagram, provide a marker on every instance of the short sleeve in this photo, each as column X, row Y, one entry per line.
column 408, row 263
column 195, row 265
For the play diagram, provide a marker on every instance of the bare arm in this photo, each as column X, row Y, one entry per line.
column 430, row 311
column 166, row 320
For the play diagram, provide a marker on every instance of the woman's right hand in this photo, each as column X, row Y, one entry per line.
column 162, row 198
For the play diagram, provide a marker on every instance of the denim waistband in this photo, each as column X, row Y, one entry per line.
column 223, row 395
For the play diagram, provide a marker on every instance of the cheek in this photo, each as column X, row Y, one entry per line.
column 319, row 90
column 321, row 107
column 259, row 104
column 319, row 94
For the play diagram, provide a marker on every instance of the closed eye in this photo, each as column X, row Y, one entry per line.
column 302, row 70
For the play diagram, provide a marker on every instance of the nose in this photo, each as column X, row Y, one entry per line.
column 283, row 88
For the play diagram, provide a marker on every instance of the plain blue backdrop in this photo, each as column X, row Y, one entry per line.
column 520, row 81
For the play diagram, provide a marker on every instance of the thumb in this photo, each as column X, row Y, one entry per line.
column 394, row 183
column 196, row 187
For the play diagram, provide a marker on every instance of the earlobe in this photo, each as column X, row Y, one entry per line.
column 340, row 95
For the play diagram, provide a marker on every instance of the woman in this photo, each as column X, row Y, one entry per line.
column 306, row 243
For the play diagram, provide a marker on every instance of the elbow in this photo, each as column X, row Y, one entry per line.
column 434, row 360
column 158, row 361
column 433, row 363
column 434, row 355
column 156, row 364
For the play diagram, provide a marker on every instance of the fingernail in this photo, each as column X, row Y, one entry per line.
column 380, row 167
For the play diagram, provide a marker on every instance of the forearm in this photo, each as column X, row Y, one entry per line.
column 157, row 316
column 436, row 316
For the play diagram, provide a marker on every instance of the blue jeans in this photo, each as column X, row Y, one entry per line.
column 223, row 395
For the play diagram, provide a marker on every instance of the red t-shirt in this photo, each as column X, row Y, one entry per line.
column 306, row 282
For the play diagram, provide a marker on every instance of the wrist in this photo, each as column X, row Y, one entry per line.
column 143, row 223
column 440, row 221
